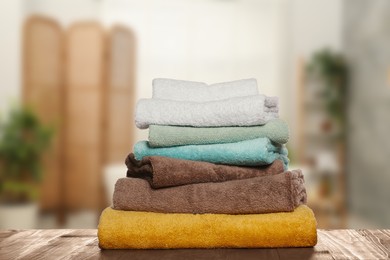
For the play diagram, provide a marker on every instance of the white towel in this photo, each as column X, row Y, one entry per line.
column 240, row 111
column 181, row 90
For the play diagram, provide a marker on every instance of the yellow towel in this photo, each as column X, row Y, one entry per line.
column 130, row 229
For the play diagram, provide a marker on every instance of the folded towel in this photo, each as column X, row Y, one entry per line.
column 182, row 90
column 282, row 192
column 146, row 230
column 239, row 111
column 253, row 152
column 164, row 135
column 163, row 172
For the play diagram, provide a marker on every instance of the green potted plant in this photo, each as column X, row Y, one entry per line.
column 330, row 68
column 23, row 139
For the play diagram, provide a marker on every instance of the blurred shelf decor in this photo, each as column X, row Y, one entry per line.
column 323, row 82
column 23, row 140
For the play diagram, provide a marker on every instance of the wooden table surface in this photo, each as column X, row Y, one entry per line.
column 83, row 244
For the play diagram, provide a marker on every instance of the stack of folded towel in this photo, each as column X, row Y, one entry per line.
column 214, row 173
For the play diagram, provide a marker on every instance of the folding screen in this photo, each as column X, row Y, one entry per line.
column 43, row 91
column 121, row 91
column 84, row 110
column 84, row 84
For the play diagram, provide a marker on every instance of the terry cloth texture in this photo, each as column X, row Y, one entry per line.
column 253, row 152
column 147, row 230
column 164, row 136
column 182, row 90
column 238, row 111
column 162, row 172
column 282, row 192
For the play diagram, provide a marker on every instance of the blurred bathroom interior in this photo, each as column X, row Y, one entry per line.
column 80, row 66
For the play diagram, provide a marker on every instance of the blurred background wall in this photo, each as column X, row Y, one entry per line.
column 366, row 40
column 273, row 41
column 11, row 18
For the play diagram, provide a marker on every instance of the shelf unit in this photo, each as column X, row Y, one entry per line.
column 321, row 150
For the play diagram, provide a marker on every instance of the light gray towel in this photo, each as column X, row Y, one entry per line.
column 239, row 111
column 181, row 90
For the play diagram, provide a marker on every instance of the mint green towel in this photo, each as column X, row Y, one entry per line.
column 165, row 135
column 253, row 152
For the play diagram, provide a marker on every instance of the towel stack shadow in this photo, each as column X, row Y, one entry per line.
column 213, row 174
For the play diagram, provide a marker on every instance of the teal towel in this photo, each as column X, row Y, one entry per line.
column 165, row 135
column 253, row 152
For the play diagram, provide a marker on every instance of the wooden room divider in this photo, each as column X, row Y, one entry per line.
column 84, row 115
column 121, row 82
column 43, row 91
column 84, row 79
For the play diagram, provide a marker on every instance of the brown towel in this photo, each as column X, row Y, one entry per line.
column 268, row 194
column 163, row 172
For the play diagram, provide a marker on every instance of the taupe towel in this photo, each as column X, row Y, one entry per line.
column 268, row 194
column 163, row 172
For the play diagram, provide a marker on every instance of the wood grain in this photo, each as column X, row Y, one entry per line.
column 356, row 244
column 83, row 244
